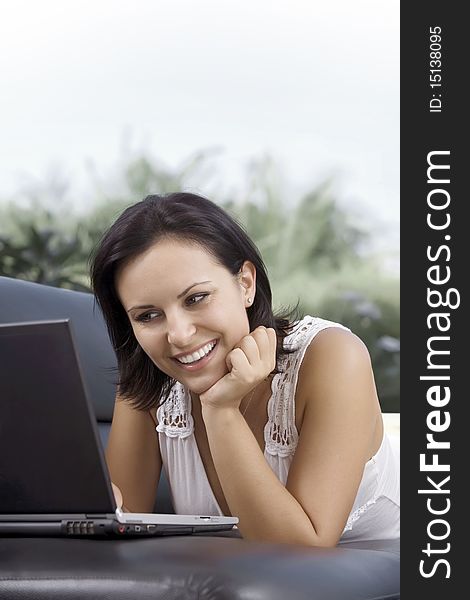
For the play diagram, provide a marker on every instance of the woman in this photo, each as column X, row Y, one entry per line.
column 251, row 414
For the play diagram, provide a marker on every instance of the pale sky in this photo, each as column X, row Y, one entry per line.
column 313, row 84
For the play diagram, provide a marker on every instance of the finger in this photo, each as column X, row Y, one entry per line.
column 272, row 335
column 237, row 362
column 267, row 341
column 261, row 336
column 117, row 495
column 249, row 345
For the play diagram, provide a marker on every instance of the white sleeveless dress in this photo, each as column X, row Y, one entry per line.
column 375, row 513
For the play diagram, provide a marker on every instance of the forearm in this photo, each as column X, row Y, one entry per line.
column 267, row 511
column 133, row 457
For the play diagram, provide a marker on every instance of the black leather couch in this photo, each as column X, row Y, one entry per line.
column 206, row 566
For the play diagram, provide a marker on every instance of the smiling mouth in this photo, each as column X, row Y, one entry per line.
column 198, row 355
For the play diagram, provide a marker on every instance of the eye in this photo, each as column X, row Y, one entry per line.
column 148, row 316
column 196, row 298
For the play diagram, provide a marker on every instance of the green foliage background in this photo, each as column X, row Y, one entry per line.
column 314, row 251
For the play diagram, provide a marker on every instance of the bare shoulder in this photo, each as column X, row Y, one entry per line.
column 335, row 343
column 337, row 365
column 334, row 348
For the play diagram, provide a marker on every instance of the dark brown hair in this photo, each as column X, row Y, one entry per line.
column 186, row 217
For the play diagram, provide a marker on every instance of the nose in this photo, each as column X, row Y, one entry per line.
column 180, row 329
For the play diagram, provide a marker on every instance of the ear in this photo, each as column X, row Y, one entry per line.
column 247, row 280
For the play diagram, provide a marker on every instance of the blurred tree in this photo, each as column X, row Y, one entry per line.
column 39, row 249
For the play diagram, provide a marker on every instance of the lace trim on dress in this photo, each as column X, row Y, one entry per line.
column 354, row 516
column 174, row 415
column 280, row 433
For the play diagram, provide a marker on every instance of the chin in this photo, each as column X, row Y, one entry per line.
column 199, row 387
column 198, row 383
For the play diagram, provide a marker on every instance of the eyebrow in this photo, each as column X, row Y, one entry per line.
column 179, row 296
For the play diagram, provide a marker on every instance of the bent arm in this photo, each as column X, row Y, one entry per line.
column 133, row 456
column 336, row 436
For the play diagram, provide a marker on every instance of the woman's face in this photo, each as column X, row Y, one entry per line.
column 187, row 311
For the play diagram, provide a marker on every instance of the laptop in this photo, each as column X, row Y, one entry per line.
column 53, row 475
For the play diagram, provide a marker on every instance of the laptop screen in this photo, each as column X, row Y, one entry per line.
column 50, row 457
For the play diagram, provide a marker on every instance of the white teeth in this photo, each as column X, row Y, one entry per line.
column 190, row 358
